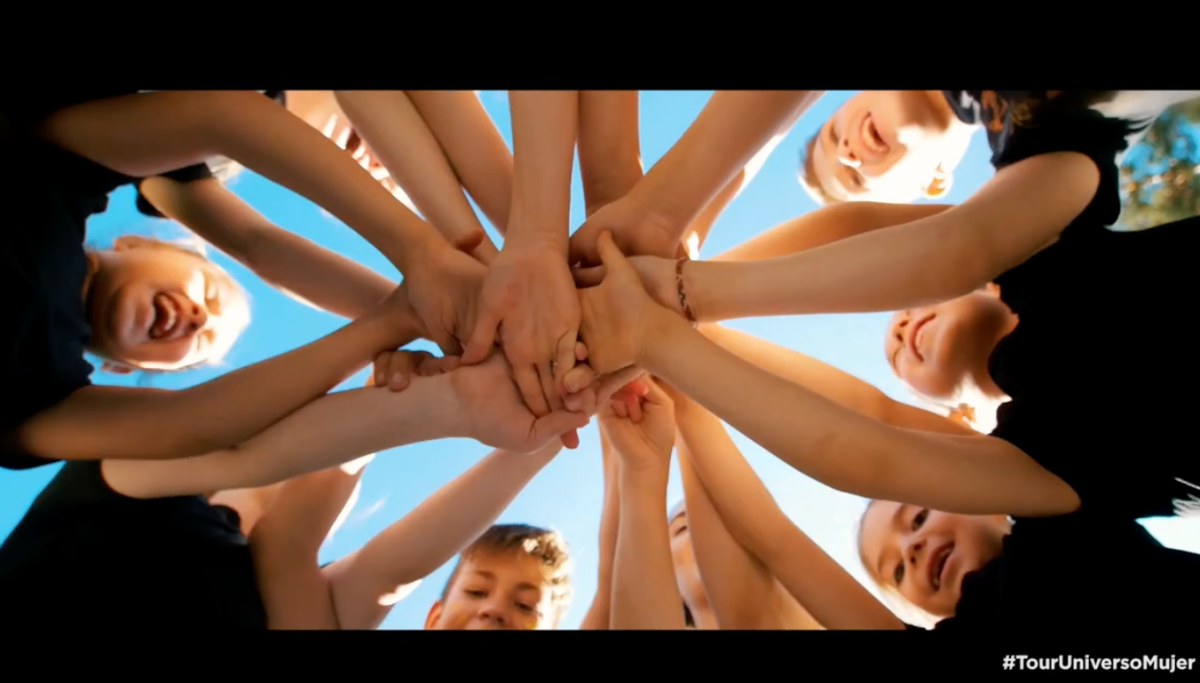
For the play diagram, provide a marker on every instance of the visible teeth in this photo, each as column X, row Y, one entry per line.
column 170, row 319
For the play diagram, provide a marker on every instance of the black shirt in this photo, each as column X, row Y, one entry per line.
column 89, row 555
column 1102, row 345
column 43, row 264
column 1078, row 573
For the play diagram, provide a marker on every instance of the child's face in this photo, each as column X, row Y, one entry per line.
column 885, row 146
column 936, row 348
column 924, row 554
column 496, row 591
column 156, row 307
column 687, row 575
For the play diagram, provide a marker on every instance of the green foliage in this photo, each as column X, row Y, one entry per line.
column 1160, row 182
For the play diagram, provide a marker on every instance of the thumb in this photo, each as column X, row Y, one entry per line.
column 556, row 425
column 611, row 256
column 613, row 382
column 483, row 338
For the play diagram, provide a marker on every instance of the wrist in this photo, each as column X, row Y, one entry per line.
column 536, row 239
column 658, row 337
column 645, row 476
column 423, row 249
column 446, row 406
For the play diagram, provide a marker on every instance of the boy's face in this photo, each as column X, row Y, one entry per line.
column 496, row 591
column 886, row 146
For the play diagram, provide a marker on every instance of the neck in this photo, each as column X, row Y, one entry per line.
column 983, row 379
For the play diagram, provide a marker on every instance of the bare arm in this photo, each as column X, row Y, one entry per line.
column 826, row 226
column 747, row 509
column 399, row 137
column 325, row 433
column 429, row 536
column 610, row 159
column 545, row 125
column 99, row 422
column 845, row 450
column 644, row 595
column 733, row 127
column 840, row 387
column 287, row 540
column 148, row 134
column 307, row 272
column 1016, row 214
column 478, row 153
column 742, row 591
column 599, row 613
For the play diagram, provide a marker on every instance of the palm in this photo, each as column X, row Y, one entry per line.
column 497, row 415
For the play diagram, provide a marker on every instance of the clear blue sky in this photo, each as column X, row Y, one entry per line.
column 567, row 494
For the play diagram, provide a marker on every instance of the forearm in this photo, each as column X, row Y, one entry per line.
column 400, row 139
column 325, row 433
column 610, row 162
column 848, row 451
column 826, row 226
column 738, row 587
column 113, row 422
column 599, row 613
column 917, row 264
column 432, row 534
column 149, row 134
column 477, row 152
column 290, row 263
column 303, row 513
column 751, row 515
column 727, row 134
column 645, row 595
column 544, row 130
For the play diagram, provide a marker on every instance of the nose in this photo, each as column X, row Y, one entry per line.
column 846, row 155
column 495, row 614
column 902, row 319
column 197, row 317
column 914, row 545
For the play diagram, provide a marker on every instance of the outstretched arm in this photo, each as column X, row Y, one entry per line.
column 429, row 536
column 741, row 589
column 610, row 158
column 148, row 134
column 835, row 385
column 475, row 148
column 933, row 259
column 747, row 509
column 846, row 450
column 307, row 272
column 599, row 613
column 402, row 141
column 99, row 422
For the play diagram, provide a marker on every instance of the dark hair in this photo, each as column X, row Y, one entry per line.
column 546, row 545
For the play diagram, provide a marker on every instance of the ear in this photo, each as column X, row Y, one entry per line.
column 435, row 613
column 115, row 368
column 125, row 242
column 939, row 185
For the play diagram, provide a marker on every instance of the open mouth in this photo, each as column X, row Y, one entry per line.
column 166, row 317
column 915, row 336
column 937, row 565
column 871, row 138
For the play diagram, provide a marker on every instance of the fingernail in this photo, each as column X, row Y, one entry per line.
column 398, row 380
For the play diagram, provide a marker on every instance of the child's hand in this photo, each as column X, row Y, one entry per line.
column 644, row 445
column 618, row 314
column 394, row 369
column 636, row 230
column 657, row 276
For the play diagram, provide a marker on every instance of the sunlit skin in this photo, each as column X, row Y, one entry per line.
column 889, row 145
column 924, row 554
column 687, row 575
column 938, row 349
column 496, row 591
column 157, row 307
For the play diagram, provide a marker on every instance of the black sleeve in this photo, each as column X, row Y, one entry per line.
column 183, row 175
column 42, row 269
column 1089, row 133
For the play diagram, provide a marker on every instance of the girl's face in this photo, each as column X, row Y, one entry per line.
column 157, row 307
column 923, row 554
column 687, row 576
column 937, row 348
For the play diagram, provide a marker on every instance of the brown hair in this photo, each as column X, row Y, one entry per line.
column 808, row 174
column 548, row 546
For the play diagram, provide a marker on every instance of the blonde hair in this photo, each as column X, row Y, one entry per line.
column 235, row 313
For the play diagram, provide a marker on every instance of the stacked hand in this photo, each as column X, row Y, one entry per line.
column 644, row 443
